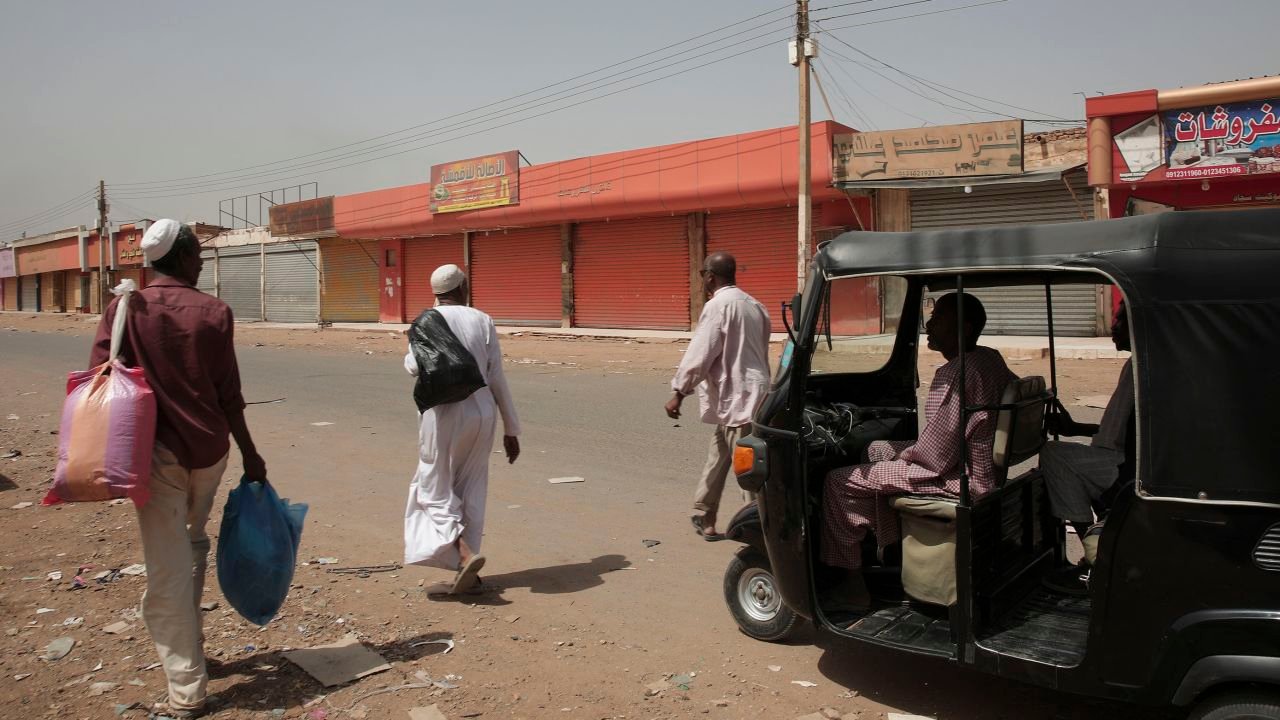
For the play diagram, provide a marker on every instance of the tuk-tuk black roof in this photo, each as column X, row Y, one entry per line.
column 1203, row 292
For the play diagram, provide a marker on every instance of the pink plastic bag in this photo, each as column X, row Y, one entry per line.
column 108, row 429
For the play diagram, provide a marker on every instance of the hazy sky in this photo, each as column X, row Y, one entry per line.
column 154, row 92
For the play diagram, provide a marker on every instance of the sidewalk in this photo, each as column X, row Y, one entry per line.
column 1012, row 347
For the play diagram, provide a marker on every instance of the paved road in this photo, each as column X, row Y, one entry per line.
column 555, row 548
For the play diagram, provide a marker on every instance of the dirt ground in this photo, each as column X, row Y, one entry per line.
column 510, row 661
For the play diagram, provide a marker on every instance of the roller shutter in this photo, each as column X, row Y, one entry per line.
column 29, row 293
column 421, row 258
column 764, row 244
column 292, row 294
column 1018, row 311
column 632, row 274
column 53, row 292
column 240, row 281
column 208, row 281
column 10, row 293
column 349, row 281
column 515, row 275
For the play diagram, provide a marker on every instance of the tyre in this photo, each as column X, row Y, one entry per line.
column 1239, row 704
column 754, row 600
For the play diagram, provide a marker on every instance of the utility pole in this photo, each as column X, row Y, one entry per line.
column 104, row 281
column 802, row 49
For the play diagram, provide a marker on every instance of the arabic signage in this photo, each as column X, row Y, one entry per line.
column 1202, row 143
column 7, row 268
column 977, row 149
column 482, row 182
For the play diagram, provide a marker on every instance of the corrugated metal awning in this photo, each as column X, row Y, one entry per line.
column 1033, row 176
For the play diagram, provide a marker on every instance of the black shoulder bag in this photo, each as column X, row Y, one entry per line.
column 447, row 372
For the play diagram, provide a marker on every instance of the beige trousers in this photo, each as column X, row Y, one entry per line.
column 176, row 550
column 716, row 471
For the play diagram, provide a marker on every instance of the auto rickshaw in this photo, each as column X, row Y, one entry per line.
column 1182, row 604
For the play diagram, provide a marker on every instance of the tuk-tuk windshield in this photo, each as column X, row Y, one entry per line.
column 857, row 324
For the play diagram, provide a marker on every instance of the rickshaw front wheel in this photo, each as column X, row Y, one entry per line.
column 754, row 600
column 1239, row 704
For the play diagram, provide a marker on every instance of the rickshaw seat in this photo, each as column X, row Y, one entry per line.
column 928, row 523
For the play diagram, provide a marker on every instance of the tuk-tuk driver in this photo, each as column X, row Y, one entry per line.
column 856, row 498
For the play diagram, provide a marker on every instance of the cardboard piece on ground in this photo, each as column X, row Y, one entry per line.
column 426, row 713
column 563, row 480
column 116, row 628
column 339, row 663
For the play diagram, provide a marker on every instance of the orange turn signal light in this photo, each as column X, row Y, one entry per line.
column 744, row 459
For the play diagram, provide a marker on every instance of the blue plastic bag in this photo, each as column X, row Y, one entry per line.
column 258, row 549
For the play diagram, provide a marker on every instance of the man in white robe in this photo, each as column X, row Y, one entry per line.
column 444, row 519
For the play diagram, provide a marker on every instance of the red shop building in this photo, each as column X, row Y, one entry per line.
column 607, row 241
column 59, row 271
column 1208, row 147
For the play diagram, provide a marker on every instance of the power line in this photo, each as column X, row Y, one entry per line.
column 488, row 105
column 873, row 10
column 939, row 87
column 41, row 216
column 197, row 188
column 917, row 15
column 848, row 101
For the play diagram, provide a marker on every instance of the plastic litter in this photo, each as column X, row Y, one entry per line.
column 108, row 427
column 258, row 549
column 58, row 649
column 134, row 570
column 21, row 506
column 804, row 683
column 566, row 480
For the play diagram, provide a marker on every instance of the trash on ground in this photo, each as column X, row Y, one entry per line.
column 45, row 611
column 1093, row 401
column 364, row 570
column 55, row 576
column 21, row 676
column 73, row 622
column 426, row 713
column 804, row 683
column 321, row 424
column 318, row 714
column 656, row 688
column 58, row 649
column 13, row 417
column 325, row 561
column 775, row 668
column 102, row 688
column 901, row 716
column 11, row 455
column 21, row 506
column 448, row 644
column 135, row 570
column 651, row 543
column 565, row 480
column 78, row 583
column 511, row 618
column 340, row 662
column 122, row 708
column 209, row 606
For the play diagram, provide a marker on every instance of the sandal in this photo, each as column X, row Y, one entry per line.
column 701, row 529
column 164, row 709
column 468, row 575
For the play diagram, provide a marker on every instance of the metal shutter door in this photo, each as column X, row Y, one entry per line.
column 421, row 258
column 764, row 244
column 53, row 292
column 632, row 274
column 208, row 276
column 515, row 275
column 1017, row 311
column 29, row 293
column 349, row 281
column 11, row 293
column 240, row 281
column 292, row 295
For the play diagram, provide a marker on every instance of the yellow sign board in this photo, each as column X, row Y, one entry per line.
column 977, row 149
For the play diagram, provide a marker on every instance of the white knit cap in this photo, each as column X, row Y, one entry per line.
column 447, row 278
column 158, row 240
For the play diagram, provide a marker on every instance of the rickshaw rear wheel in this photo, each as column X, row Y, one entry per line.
column 754, row 600
column 1239, row 704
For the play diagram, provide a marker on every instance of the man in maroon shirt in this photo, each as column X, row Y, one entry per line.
column 182, row 338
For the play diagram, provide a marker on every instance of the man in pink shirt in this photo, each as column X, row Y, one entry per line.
column 727, row 363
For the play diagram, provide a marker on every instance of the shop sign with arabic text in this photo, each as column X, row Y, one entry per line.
column 1202, row 143
column 976, row 149
column 482, row 182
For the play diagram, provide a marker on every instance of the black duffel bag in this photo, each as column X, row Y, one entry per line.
column 447, row 372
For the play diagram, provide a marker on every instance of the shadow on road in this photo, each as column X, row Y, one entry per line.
column 6, row 483
column 938, row 689
column 268, row 676
column 551, row 580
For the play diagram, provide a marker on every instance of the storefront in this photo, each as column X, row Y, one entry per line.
column 291, row 282
column 8, row 280
column 349, row 281
column 48, row 268
column 607, row 241
column 1207, row 147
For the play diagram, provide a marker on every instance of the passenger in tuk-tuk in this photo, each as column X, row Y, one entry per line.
column 856, row 498
column 1079, row 477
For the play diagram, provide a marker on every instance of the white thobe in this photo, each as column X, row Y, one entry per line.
column 447, row 495
column 728, row 359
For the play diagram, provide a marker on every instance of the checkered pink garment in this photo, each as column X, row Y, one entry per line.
column 856, row 498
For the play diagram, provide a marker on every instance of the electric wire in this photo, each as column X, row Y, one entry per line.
column 39, row 217
column 872, row 10
column 488, row 105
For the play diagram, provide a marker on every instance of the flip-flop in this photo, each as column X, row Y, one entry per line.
column 467, row 576
column 713, row 538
